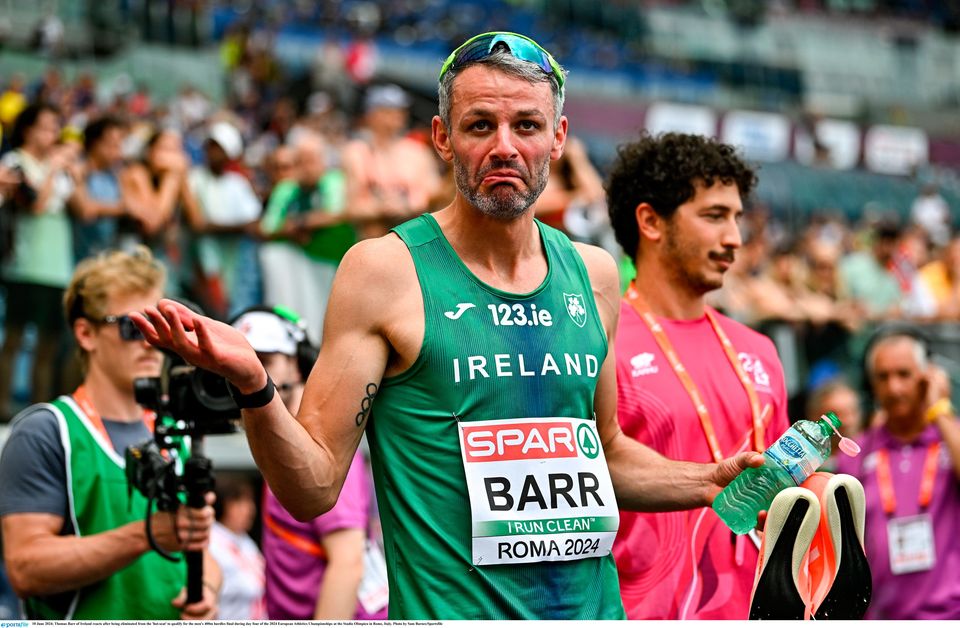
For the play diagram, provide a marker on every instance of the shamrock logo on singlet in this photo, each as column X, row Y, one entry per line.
column 574, row 303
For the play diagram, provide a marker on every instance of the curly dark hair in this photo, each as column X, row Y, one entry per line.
column 662, row 171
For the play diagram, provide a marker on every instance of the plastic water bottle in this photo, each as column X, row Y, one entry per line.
column 796, row 455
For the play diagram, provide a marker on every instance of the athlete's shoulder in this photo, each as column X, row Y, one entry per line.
column 600, row 265
column 375, row 282
column 377, row 260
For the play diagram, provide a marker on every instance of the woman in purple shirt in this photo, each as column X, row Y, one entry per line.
column 324, row 569
column 315, row 568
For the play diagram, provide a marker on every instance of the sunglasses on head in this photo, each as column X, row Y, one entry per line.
column 125, row 325
column 520, row 46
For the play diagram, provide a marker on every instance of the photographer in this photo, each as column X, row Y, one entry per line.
column 75, row 543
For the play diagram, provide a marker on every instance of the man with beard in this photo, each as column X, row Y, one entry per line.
column 472, row 344
column 692, row 383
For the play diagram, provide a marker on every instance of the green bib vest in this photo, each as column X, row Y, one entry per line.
column 98, row 502
column 486, row 354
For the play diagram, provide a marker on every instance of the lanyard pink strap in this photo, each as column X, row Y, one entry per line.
column 888, row 495
column 639, row 305
column 305, row 545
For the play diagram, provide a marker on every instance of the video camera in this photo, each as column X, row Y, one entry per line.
column 189, row 402
column 197, row 401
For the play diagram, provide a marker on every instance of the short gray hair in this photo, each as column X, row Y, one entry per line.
column 505, row 62
column 916, row 345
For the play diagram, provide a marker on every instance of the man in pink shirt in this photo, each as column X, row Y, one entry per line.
column 692, row 383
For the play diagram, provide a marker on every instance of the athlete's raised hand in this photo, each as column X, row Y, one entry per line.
column 203, row 342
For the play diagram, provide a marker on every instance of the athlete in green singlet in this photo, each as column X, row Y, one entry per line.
column 476, row 346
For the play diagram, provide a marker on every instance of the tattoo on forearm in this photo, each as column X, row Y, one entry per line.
column 366, row 404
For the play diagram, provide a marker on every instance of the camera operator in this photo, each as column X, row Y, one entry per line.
column 75, row 545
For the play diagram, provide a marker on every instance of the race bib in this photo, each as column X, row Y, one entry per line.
column 911, row 544
column 539, row 490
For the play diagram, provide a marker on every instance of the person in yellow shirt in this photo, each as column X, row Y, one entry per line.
column 935, row 293
column 12, row 101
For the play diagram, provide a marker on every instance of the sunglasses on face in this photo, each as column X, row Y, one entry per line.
column 125, row 325
column 520, row 46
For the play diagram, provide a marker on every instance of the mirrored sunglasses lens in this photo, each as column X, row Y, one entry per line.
column 474, row 51
column 519, row 47
column 528, row 51
column 128, row 330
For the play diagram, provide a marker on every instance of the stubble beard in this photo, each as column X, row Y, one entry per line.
column 685, row 262
column 506, row 202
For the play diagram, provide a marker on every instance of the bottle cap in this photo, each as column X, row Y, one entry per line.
column 832, row 419
column 847, row 445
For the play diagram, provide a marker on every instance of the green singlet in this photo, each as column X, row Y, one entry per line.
column 487, row 354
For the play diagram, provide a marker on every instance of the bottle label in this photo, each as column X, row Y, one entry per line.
column 795, row 455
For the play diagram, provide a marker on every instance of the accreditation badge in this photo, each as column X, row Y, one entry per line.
column 911, row 544
column 373, row 591
column 539, row 490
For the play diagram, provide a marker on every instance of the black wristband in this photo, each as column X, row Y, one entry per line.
column 255, row 399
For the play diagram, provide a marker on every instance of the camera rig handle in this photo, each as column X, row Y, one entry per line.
column 198, row 481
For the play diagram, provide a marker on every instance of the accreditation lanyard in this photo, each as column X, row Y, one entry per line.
column 83, row 400
column 885, row 483
column 305, row 545
column 656, row 329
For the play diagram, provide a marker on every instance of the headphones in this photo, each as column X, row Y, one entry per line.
column 297, row 329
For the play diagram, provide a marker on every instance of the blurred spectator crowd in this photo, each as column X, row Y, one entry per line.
column 256, row 200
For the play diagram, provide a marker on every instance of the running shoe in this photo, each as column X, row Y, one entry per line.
column 781, row 589
column 840, row 582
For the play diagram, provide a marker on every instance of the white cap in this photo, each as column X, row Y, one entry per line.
column 269, row 333
column 386, row 97
column 228, row 137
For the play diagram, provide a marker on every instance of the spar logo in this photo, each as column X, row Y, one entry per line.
column 790, row 446
column 524, row 441
column 588, row 442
